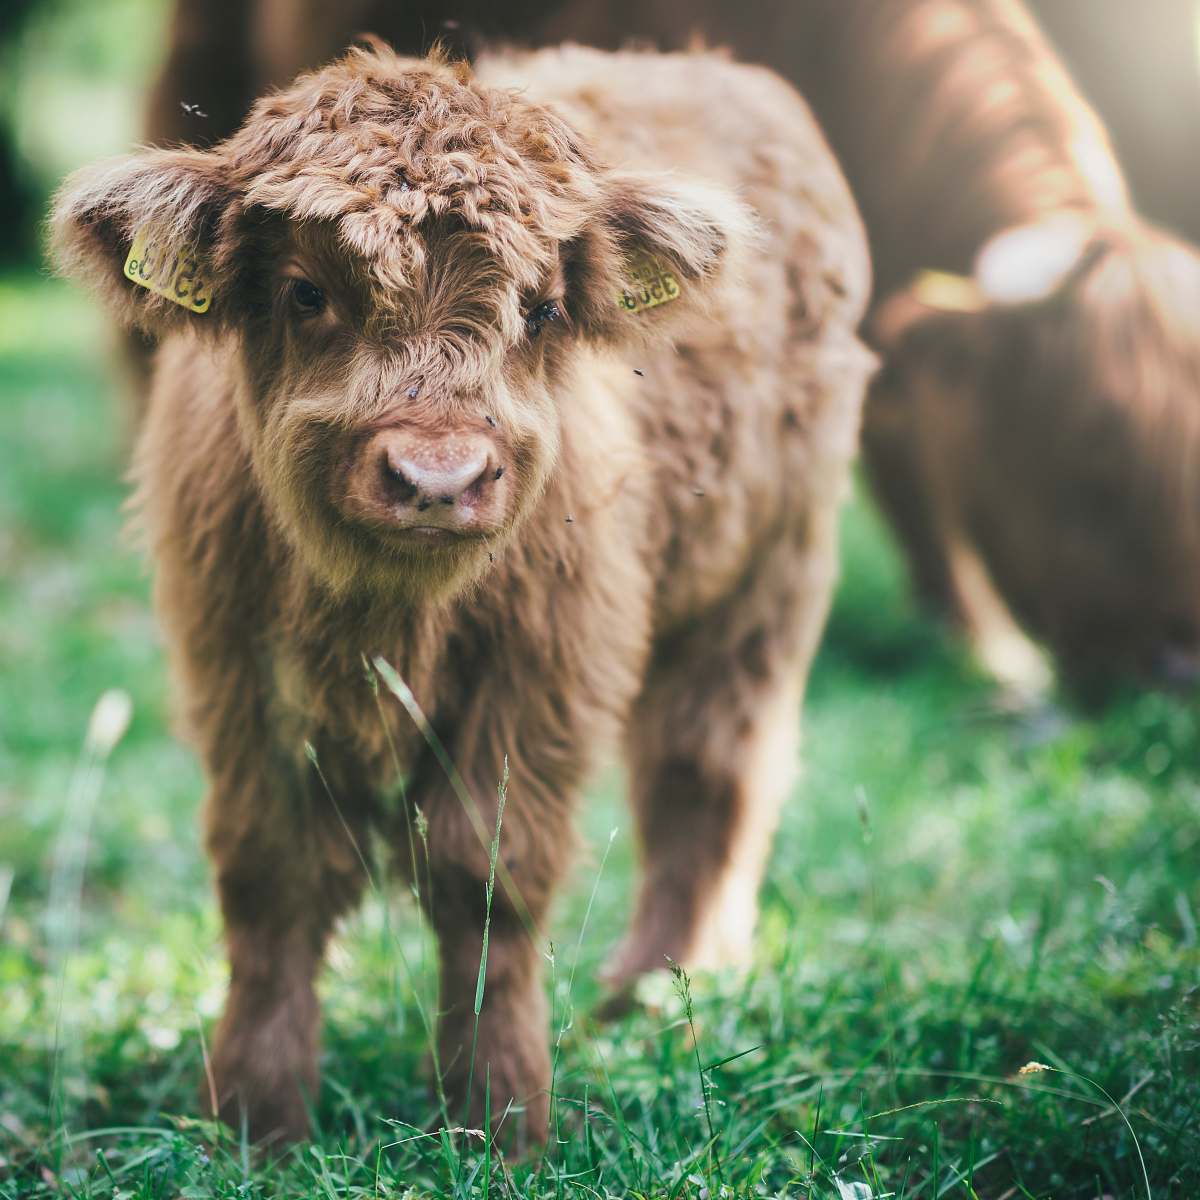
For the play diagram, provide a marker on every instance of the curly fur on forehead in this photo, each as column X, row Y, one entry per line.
column 381, row 145
column 406, row 162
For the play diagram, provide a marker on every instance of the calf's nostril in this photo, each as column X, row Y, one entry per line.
column 396, row 481
column 483, row 476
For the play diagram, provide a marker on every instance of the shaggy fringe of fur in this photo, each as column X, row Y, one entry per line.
column 326, row 149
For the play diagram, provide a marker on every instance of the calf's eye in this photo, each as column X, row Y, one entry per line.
column 307, row 297
column 541, row 315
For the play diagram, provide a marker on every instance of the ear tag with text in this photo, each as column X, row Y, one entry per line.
column 176, row 276
column 650, row 284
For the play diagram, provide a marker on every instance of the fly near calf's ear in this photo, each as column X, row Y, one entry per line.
column 665, row 247
column 140, row 232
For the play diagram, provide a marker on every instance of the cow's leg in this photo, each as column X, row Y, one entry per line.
column 287, row 864
column 712, row 756
column 920, row 437
column 500, row 1051
column 894, row 465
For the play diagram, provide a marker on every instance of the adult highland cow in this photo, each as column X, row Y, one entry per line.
column 524, row 400
column 1033, row 430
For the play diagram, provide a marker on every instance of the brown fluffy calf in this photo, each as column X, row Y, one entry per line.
column 417, row 422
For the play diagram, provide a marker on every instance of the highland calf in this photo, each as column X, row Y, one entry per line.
column 541, row 384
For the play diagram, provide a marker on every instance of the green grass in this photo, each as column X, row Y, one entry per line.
column 955, row 891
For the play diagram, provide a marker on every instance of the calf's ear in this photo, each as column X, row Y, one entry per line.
column 665, row 248
column 170, row 202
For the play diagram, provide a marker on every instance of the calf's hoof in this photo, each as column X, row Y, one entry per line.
column 510, row 1090
column 270, row 1108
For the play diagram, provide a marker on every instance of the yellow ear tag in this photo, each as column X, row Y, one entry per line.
column 176, row 276
column 650, row 284
column 950, row 293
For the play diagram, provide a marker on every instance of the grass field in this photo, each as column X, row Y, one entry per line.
column 957, row 890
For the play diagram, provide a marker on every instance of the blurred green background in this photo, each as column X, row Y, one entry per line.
column 72, row 76
column 958, row 887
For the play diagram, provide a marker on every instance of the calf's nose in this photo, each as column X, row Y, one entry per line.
column 447, row 471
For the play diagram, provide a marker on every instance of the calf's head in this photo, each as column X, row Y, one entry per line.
column 405, row 272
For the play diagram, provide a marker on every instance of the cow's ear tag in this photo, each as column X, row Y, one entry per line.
column 178, row 277
column 650, row 283
column 949, row 293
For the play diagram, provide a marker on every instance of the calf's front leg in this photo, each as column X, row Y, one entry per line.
column 287, row 866
column 501, row 1054
column 498, row 1061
